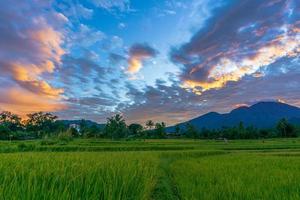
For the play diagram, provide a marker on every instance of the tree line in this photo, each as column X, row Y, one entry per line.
column 41, row 125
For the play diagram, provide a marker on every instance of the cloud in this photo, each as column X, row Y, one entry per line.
column 96, row 108
column 86, row 37
column 121, row 25
column 83, row 11
column 137, row 54
column 75, row 11
column 122, row 5
column 241, row 40
column 173, row 104
column 31, row 48
column 116, row 58
column 22, row 102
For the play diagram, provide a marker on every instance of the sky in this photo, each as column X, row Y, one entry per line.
column 164, row 60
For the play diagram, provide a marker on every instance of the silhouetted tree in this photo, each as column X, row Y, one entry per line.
column 4, row 132
column 285, row 129
column 10, row 121
column 160, row 131
column 135, row 129
column 40, row 123
column 116, row 127
column 149, row 124
column 191, row 131
column 91, row 131
column 177, row 129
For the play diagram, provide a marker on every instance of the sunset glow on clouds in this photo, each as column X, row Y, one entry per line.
column 166, row 61
column 30, row 48
column 227, row 70
column 137, row 54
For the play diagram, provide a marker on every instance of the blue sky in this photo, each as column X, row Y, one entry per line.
column 161, row 60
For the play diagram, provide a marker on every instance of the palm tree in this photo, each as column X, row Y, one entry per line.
column 149, row 124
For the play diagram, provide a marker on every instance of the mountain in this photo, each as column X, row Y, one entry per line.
column 78, row 122
column 260, row 115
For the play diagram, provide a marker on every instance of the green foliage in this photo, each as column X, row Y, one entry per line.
column 116, row 127
column 177, row 129
column 5, row 132
column 66, row 136
column 285, row 129
column 160, row 131
column 92, row 131
column 135, row 129
column 150, row 124
column 47, row 141
column 10, row 124
column 40, row 123
column 11, row 121
column 26, row 147
column 191, row 131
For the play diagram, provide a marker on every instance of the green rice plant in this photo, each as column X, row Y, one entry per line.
column 151, row 169
column 238, row 176
column 76, row 176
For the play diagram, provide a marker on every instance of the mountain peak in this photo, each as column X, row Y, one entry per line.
column 271, row 103
column 261, row 115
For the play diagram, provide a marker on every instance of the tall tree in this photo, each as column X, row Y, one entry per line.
column 41, row 123
column 191, row 131
column 150, row 124
column 116, row 127
column 10, row 121
column 177, row 129
column 285, row 129
column 160, row 131
column 135, row 129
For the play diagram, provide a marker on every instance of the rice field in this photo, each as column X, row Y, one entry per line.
column 152, row 169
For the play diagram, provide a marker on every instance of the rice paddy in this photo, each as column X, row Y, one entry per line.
column 151, row 169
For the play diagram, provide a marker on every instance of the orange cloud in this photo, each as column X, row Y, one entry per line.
column 241, row 105
column 22, row 102
column 31, row 92
column 134, row 65
column 137, row 54
column 27, row 76
column 49, row 41
column 226, row 69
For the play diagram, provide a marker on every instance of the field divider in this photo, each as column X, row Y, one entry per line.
column 165, row 187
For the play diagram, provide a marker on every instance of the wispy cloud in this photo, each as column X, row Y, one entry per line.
column 122, row 5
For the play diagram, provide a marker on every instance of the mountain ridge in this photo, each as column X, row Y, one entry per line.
column 259, row 115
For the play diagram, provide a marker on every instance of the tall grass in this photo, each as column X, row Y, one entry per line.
column 238, row 176
column 77, row 176
column 151, row 169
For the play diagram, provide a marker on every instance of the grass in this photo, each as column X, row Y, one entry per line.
column 76, row 176
column 238, row 176
column 151, row 169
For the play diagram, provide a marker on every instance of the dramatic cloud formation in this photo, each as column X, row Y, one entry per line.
column 239, row 41
column 174, row 104
column 137, row 54
column 30, row 48
column 92, row 59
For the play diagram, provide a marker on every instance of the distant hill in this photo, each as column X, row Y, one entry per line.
column 260, row 115
column 88, row 123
